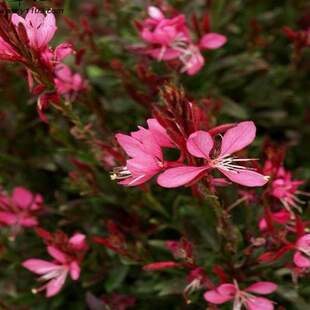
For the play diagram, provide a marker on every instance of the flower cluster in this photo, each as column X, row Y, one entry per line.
column 144, row 146
column 26, row 40
column 169, row 38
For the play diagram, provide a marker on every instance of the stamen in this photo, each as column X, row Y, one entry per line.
column 136, row 179
column 120, row 173
column 226, row 163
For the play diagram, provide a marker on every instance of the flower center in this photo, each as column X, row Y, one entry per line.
column 228, row 163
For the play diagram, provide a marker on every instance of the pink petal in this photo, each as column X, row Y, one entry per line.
column 47, row 30
column 146, row 165
column 216, row 298
column 142, row 170
column 160, row 54
column 262, row 288
column 304, row 242
column 75, row 270
column 34, row 18
column 8, row 218
column 179, row 176
column 199, row 144
column 195, row 63
column 161, row 265
column 281, row 217
column 131, row 146
column 22, row 197
column 301, row 260
column 28, row 221
column 238, row 137
column 78, row 241
column 16, row 19
column 155, row 13
column 136, row 180
column 57, row 254
column 63, row 50
column 54, row 286
column 148, row 142
column 259, row 303
column 159, row 133
column 39, row 266
column 262, row 224
column 227, row 289
column 246, row 177
column 212, row 41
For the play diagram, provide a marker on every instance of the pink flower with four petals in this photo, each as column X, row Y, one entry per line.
column 231, row 292
column 20, row 209
column 144, row 148
column 201, row 144
column 55, row 273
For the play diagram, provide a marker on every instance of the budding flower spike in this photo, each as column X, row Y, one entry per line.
column 200, row 144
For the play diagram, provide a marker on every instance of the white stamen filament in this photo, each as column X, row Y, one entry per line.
column 120, row 173
column 55, row 273
column 136, row 179
column 227, row 164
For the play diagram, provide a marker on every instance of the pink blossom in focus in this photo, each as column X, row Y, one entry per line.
column 302, row 255
column 200, row 144
column 40, row 28
column 65, row 263
column 20, row 209
column 231, row 292
column 144, row 148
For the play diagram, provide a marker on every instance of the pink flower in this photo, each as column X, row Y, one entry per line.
column 56, row 272
column 200, row 144
column 20, row 209
column 228, row 291
column 169, row 38
column 144, row 148
column 40, row 28
column 180, row 249
column 196, row 280
column 164, row 35
column 302, row 255
column 285, row 189
column 68, row 83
